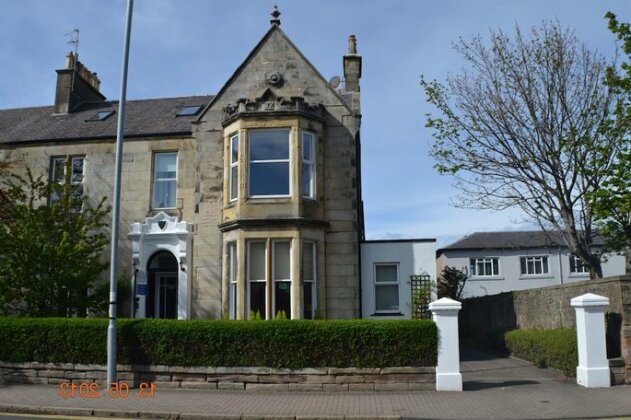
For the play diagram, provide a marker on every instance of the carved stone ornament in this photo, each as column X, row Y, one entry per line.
column 275, row 79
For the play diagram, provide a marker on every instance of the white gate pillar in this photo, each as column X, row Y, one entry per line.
column 445, row 315
column 593, row 368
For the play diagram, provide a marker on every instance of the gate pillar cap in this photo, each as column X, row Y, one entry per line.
column 589, row 299
column 445, row 304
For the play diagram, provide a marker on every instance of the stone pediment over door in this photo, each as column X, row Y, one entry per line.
column 161, row 223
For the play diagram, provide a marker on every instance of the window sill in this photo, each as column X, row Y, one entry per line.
column 483, row 278
column 536, row 277
column 388, row 314
column 579, row 275
column 269, row 200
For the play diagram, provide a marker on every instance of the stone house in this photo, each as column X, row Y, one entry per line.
column 241, row 202
column 505, row 261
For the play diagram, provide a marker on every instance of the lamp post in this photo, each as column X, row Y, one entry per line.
column 111, row 328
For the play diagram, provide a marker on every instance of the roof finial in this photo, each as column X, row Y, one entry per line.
column 275, row 14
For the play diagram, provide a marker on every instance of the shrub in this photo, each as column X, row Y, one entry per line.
column 546, row 348
column 279, row 344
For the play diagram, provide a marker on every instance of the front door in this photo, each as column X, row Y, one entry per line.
column 166, row 295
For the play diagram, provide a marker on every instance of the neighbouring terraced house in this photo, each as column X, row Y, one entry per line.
column 236, row 203
column 498, row 262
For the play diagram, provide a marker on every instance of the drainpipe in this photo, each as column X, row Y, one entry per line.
column 560, row 266
column 134, row 308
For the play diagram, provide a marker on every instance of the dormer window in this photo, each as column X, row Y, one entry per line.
column 101, row 115
column 189, row 110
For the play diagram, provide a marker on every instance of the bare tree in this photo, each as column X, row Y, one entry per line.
column 520, row 127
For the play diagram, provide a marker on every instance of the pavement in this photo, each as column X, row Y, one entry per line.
column 494, row 387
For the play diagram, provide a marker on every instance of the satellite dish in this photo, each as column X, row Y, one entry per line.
column 334, row 81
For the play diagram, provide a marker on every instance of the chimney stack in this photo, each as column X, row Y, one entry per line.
column 75, row 85
column 352, row 66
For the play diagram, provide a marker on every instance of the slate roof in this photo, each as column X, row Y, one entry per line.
column 510, row 240
column 146, row 117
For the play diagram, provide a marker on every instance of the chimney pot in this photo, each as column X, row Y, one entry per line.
column 352, row 44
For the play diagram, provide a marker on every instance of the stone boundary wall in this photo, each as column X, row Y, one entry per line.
column 229, row 378
column 549, row 308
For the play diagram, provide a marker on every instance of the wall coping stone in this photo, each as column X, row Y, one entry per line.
column 353, row 371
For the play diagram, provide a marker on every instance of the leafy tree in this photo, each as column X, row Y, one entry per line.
column 50, row 255
column 611, row 203
column 521, row 128
column 451, row 282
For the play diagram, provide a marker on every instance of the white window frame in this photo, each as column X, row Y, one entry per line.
column 234, row 163
column 250, row 280
column 534, row 259
column 575, row 263
column 310, row 163
column 231, row 248
column 376, row 284
column 63, row 160
column 313, row 281
column 288, row 161
column 284, row 280
column 156, row 180
column 474, row 264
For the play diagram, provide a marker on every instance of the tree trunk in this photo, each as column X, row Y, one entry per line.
column 595, row 268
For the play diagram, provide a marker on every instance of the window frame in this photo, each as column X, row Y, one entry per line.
column 575, row 262
column 234, row 164
column 155, row 180
column 249, row 279
column 475, row 261
column 64, row 159
column 263, row 161
column 274, row 270
column 311, row 163
column 377, row 284
column 231, row 251
column 100, row 116
column 311, row 282
column 523, row 263
column 188, row 110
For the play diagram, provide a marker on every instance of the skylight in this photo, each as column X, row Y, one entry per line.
column 101, row 115
column 189, row 110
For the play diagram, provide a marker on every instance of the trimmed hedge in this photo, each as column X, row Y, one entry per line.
column 280, row 344
column 545, row 348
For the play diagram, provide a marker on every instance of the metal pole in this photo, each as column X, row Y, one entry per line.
column 111, row 329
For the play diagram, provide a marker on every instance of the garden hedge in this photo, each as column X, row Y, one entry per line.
column 545, row 348
column 280, row 344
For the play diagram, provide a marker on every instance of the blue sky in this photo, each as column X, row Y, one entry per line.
column 191, row 47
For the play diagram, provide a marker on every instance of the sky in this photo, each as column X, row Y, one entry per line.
column 192, row 47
